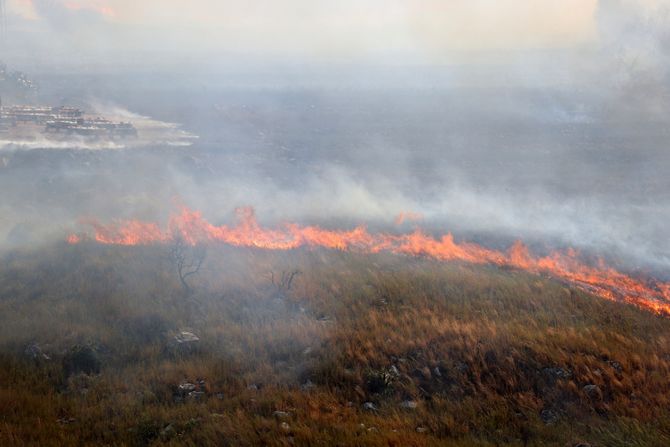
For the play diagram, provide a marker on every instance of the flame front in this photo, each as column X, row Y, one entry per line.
column 601, row 280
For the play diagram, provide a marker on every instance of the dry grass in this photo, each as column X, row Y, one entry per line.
column 488, row 356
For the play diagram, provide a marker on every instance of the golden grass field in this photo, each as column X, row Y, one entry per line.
column 361, row 350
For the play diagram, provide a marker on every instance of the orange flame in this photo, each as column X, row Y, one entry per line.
column 189, row 225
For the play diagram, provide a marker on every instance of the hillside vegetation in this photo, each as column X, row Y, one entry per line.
column 98, row 347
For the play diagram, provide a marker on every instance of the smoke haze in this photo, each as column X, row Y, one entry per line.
column 549, row 128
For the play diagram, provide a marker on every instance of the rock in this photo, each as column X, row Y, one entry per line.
column 369, row 406
column 184, row 343
column 616, row 365
column 186, row 387
column 307, row 386
column 196, row 395
column 190, row 391
column 557, row 373
column 186, row 337
column 252, row 387
column 34, row 351
column 421, row 429
column 281, row 415
column 81, row 359
column 552, row 375
column 409, row 405
column 593, row 391
column 65, row 421
column 548, row 416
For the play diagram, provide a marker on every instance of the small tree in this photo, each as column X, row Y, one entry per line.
column 187, row 260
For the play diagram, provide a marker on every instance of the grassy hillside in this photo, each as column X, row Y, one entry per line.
column 361, row 350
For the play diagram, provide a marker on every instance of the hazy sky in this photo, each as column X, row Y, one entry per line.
column 148, row 32
column 350, row 29
column 574, row 89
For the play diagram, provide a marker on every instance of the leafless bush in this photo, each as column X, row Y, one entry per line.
column 187, row 259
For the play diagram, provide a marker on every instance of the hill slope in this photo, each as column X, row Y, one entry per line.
column 360, row 350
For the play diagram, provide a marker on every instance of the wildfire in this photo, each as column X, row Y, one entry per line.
column 601, row 280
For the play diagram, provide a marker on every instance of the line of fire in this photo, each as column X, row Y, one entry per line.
column 189, row 226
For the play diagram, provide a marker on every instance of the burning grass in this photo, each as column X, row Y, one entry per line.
column 189, row 226
column 364, row 349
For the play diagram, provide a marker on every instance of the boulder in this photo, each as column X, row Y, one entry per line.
column 409, row 405
column 308, row 386
column 186, row 337
column 34, row 351
column 186, row 387
column 190, row 391
column 183, row 343
column 369, row 406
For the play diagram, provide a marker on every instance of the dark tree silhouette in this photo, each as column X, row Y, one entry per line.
column 187, row 259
